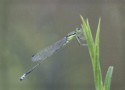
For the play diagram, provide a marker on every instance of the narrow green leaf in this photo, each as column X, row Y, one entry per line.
column 108, row 77
column 88, row 36
column 90, row 33
column 98, row 73
column 97, row 39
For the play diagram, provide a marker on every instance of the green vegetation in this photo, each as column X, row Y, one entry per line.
column 93, row 46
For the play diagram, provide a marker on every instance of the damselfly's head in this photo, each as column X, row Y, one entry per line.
column 79, row 33
column 78, row 29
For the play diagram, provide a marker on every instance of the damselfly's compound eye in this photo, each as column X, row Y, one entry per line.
column 78, row 28
column 33, row 55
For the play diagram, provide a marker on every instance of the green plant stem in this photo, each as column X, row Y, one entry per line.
column 93, row 47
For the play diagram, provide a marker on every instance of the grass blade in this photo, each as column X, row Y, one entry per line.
column 108, row 77
column 94, row 55
column 98, row 73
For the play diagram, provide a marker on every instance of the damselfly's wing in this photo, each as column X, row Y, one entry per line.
column 42, row 55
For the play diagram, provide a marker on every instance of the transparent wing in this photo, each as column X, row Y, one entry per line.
column 42, row 55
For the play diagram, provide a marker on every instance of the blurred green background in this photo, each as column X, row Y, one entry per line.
column 28, row 26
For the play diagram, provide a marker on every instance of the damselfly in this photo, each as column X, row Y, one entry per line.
column 47, row 52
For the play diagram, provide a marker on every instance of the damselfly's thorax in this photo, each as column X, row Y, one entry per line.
column 71, row 34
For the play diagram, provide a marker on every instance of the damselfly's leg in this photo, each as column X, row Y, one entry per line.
column 80, row 43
